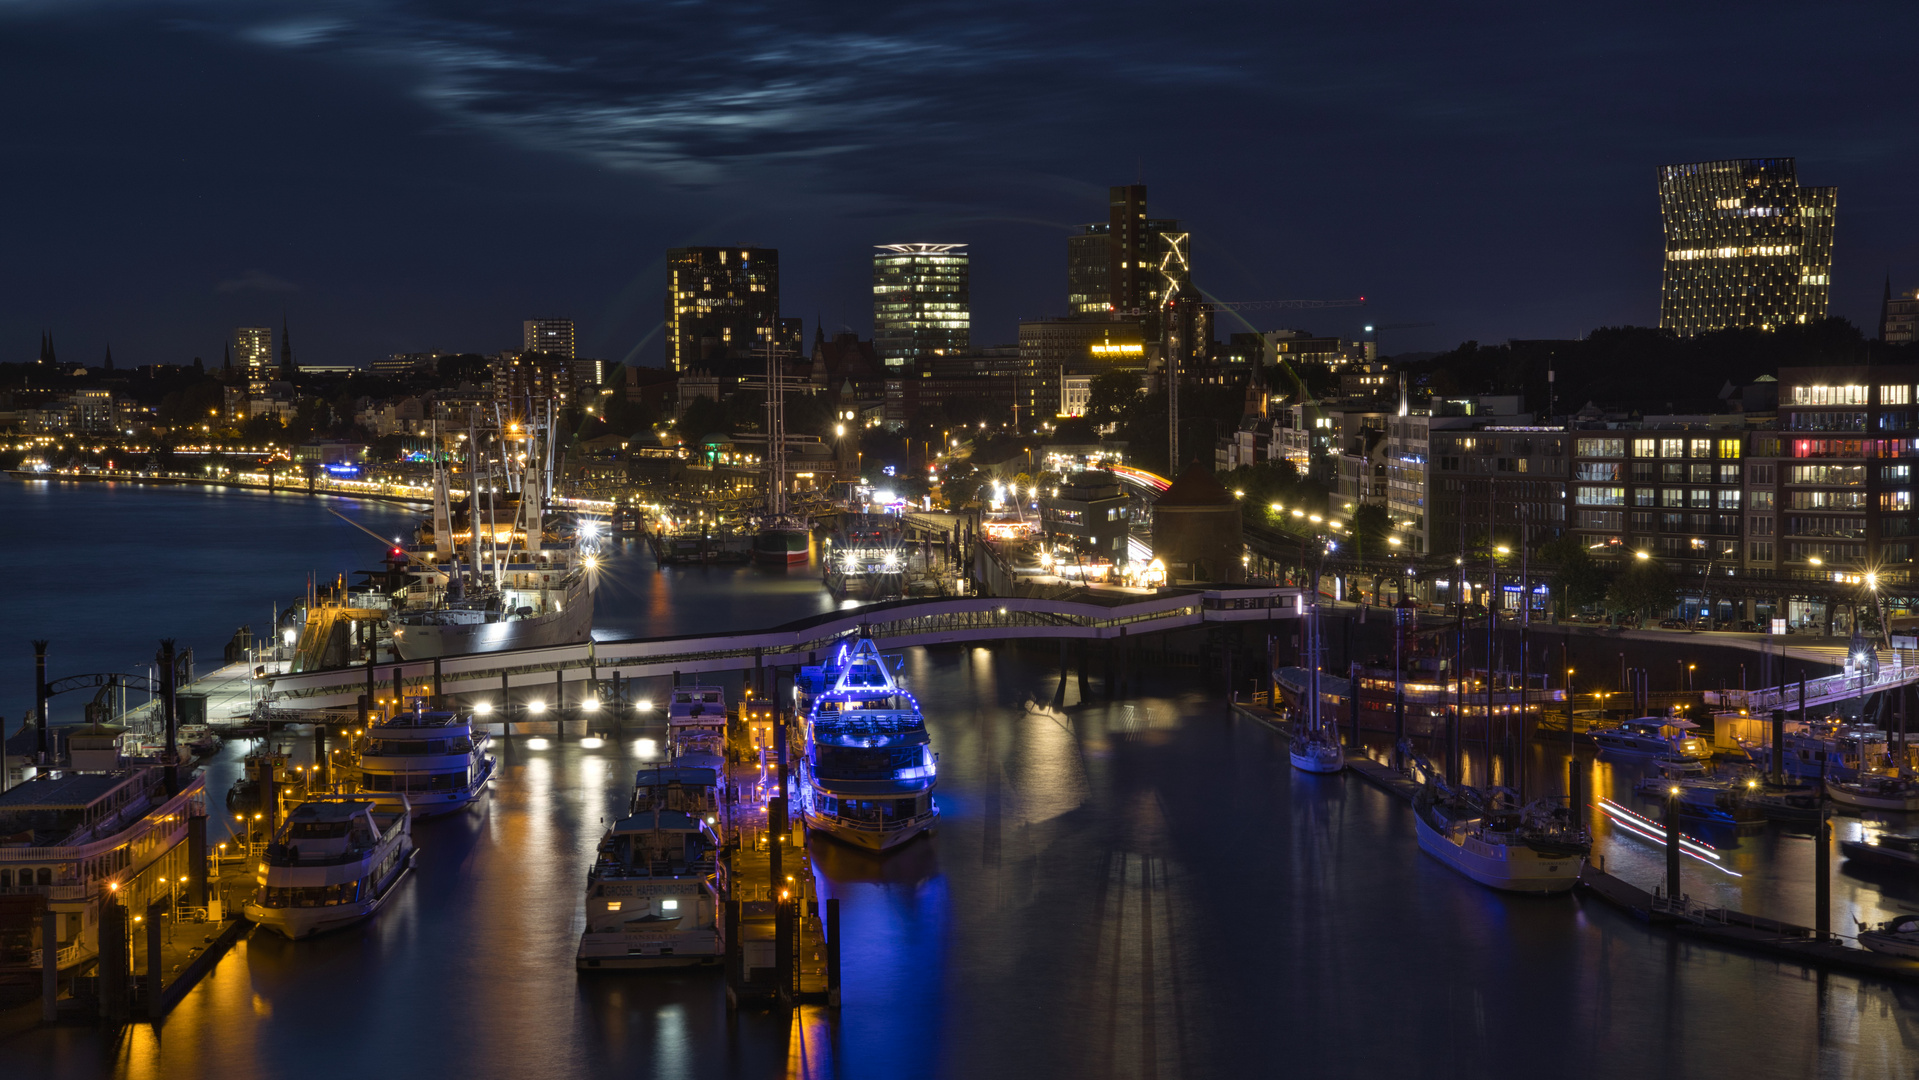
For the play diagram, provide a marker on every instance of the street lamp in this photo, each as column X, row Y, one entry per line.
column 1640, row 555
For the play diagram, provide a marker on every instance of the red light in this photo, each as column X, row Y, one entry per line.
column 398, row 552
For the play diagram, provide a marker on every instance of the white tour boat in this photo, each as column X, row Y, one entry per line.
column 651, row 895
column 867, row 772
column 431, row 760
column 335, row 862
column 1534, row 849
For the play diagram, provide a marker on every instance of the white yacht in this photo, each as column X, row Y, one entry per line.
column 1874, row 792
column 1315, row 746
column 1534, row 849
column 335, row 862
column 651, row 895
column 867, row 772
column 1665, row 736
column 1899, row 937
column 431, row 760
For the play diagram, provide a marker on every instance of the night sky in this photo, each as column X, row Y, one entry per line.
column 411, row 176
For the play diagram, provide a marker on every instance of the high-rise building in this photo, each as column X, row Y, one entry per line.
column 722, row 303
column 1899, row 317
column 1130, row 263
column 553, row 337
column 253, row 351
column 921, row 304
column 1746, row 246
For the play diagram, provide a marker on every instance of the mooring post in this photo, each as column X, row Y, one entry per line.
column 1059, row 691
column 1778, row 756
column 506, row 708
column 322, row 771
column 559, row 704
column 439, row 687
column 197, row 860
column 40, row 698
column 167, row 704
column 833, row 951
column 49, row 966
column 156, row 964
column 1085, row 692
column 1672, row 846
column 115, row 963
column 372, row 690
column 1822, row 865
column 399, row 691
column 784, row 941
column 734, row 958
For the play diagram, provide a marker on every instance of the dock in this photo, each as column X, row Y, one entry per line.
column 1718, row 926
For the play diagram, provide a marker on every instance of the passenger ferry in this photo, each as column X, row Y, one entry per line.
column 1661, row 735
column 80, row 833
column 1534, row 849
column 431, row 760
column 651, row 895
column 335, row 862
column 868, row 768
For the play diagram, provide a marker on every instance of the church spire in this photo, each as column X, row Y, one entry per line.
column 1885, row 307
column 109, row 361
column 286, row 349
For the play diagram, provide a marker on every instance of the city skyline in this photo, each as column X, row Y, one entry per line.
column 1517, row 201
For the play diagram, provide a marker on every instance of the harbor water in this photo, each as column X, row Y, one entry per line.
column 1134, row 889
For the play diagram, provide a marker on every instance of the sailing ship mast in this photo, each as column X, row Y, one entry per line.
column 775, row 436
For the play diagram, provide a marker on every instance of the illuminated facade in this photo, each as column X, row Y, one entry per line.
column 921, row 301
column 1899, row 317
column 1746, row 246
column 1129, row 264
column 722, row 303
column 253, row 353
column 1051, row 349
column 553, row 337
column 1847, row 440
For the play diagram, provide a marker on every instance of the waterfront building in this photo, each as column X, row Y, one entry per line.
column 1847, row 438
column 82, row 838
column 921, row 301
column 253, row 352
column 722, row 303
column 981, row 377
column 1088, row 510
column 518, row 377
column 1051, row 349
column 1746, row 246
column 395, row 364
column 1668, row 488
column 553, row 337
column 1899, row 317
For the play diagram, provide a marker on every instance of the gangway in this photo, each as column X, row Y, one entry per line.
column 1903, row 670
column 1083, row 613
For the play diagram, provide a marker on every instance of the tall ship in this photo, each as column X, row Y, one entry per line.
column 867, row 771
column 494, row 570
column 336, row 861
column 783, row 539
column 652, row 897
column 431, row 761
column 1485, row 836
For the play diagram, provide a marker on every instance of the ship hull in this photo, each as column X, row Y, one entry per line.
column 781, row 547
column 873, row 837
column 568, row 626
column 1510, row 868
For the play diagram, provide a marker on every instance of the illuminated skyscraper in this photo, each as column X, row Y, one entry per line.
column 253, row 352
column 921, row 304
column 1746, row 246
column 722, row 303
column 1129, row 264
column 553, row 337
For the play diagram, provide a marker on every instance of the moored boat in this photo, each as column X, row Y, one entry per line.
column 1315, row 746
column 1888, row 850
column 1875, row 792
column 1531, row 849
column 651, row 896
column 335, row 862
column 1667, row 737
column 431, row 760
column 868, row 769
column 1897, row 937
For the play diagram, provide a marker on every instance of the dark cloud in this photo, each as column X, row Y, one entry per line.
column 428, row 170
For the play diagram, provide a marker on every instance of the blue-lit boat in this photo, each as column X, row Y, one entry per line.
column 867, row 771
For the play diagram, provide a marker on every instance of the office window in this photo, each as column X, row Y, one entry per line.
column 1671, row 448
column 1728, row 499
column 1895, row 395
column 1643, row 447
column 1729, row 448
column 1672, row 496
column 1702, row 448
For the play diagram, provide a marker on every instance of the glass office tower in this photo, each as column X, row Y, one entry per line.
column 1746, row 246
column 921, row 301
